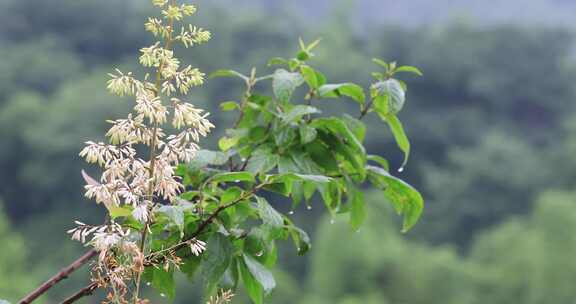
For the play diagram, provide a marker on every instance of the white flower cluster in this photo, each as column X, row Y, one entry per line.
column 103, row 237
column 126, row 177
column 193, row 35
column 197, row 246
column 141, row 181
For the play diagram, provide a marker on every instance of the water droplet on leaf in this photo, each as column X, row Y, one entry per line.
column 401, row 170
column 291, row 212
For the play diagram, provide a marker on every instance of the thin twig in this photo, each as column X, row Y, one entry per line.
column 63, row 274
column 150, row 258
column 86, row 291
column 366, row 109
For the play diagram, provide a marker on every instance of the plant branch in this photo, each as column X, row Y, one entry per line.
column 86, row 291
column 366, row 109
column 150, row 258
column 153, row 143
column 63, row 274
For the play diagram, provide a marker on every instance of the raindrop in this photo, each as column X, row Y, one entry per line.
column 148, row 283
column 401, row 170
column 259, row 253
column 291, row 212
column 309, row 207
column 162, row 295
column 332, row 221
column 237, row 181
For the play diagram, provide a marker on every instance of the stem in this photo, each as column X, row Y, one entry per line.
column 150, row 258
column 63, row 274
column 153, row 157
column 86, row 291
column 366, row 109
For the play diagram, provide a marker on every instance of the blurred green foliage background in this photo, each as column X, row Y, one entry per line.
column 491, row 124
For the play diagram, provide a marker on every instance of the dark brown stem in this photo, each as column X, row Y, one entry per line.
column 63, row 274
column 365, row 110
column 150, row 259
column 86, row 291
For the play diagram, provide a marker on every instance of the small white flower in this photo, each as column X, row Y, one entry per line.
column 197, row 246
column 140, row 213
column 122, row 84
column 104, row 240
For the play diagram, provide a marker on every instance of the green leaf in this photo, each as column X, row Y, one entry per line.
column 258, row 133
column 229, row 106
column 301, row 239
column 262, row 275
column 307, row 134
column 389, row 96
column 406, row 200
column 301, row 44
column 225, row 177
column 357, row 208
column 284, row 189
column 225, row 143
column 303, row 55
column 313, row 45
column 175, row 214
column 253, row 288
column 356, row 126
column 163, row 282
column 381, row 63
column 230, row 195
column 336, row 125
column 284, row 136
column 277, row 61
column 409, row 69
column 310, row 76
column 287, row 165
column 323, row 156
column 228, row 73
column 207, row 157
column 400, row 137
column 262, row 161
column 331, row 195
column 120, row 211
column 351, row 90
column 216, row 260
column 268, row 214
column 190, row 266
column 294, row 63
column 297, row 112
column 380, row 160
column 301, row 177
column 285, row 83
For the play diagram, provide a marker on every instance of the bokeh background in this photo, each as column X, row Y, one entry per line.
column 492, row 125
